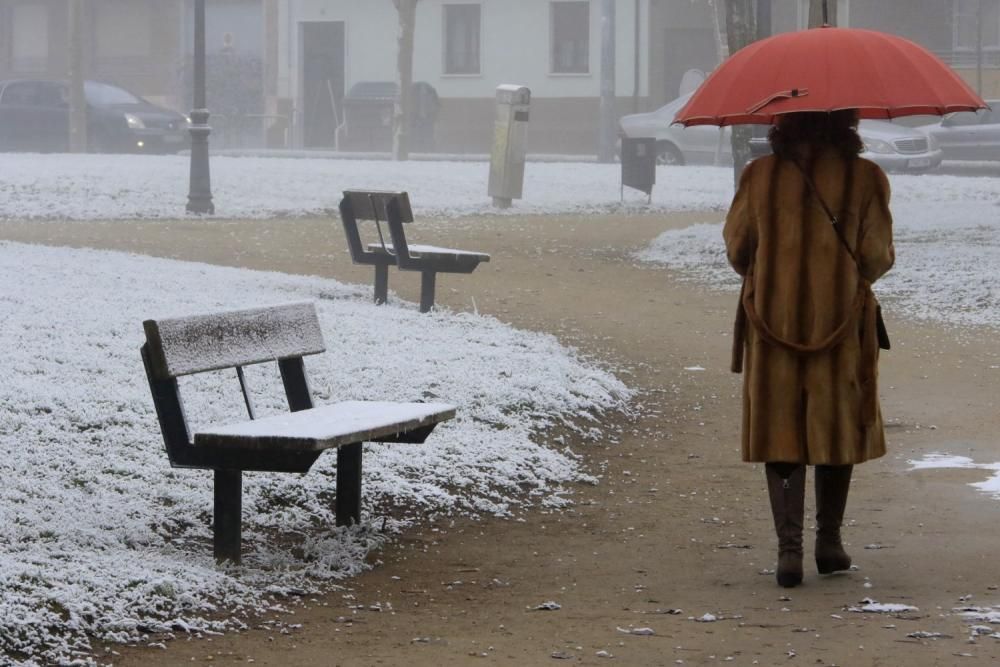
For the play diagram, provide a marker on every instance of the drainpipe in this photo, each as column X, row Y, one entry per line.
column 979, row 48
column 635, row 59
column 606, row 140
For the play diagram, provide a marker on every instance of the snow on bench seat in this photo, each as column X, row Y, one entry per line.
column 430, row 251
column 328, row 426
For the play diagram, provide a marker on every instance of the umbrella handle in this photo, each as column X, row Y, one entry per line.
column 783, row 95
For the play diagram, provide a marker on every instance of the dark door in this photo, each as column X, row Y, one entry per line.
column 322, row 82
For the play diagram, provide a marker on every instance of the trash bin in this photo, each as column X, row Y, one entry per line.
column 509, row 144
column 368, row 110
column 638, row 164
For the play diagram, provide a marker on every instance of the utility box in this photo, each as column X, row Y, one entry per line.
column 509, row 144
column 638, row 164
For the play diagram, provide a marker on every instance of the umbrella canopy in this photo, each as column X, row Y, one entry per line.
column 827, row 69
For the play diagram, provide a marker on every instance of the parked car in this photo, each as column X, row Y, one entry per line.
column 34, row 117
column 893, row 147
column 969, row 136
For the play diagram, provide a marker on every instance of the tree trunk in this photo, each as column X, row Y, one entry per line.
column 741, row 30
column 816, row 12
column 407, row 10
column 77, row 98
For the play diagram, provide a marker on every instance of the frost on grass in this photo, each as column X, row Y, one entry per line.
column 103, row 187
column 103, row 539
column 947, row 237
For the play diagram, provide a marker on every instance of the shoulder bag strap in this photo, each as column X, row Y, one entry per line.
column 829, row 213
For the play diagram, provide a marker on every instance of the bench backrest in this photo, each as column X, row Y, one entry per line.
column 378, row 206
column 185, row 345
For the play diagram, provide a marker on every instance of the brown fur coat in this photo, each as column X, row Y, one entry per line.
column 811, row 355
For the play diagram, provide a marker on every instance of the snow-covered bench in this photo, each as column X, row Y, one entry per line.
column 283, row 443
column 394, row 209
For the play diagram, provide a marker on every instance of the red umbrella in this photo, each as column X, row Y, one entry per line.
column 826, row 69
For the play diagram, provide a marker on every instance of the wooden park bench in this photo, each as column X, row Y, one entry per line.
column 289, row 442
column 394, row 209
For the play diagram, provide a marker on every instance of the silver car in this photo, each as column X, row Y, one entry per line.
column 891, row 146
column 969, row 136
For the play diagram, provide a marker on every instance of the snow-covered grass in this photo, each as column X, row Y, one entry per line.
column 100, row 536
column 947, row 235
column 110, row 187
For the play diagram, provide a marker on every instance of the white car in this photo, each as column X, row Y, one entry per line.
column 891, row 146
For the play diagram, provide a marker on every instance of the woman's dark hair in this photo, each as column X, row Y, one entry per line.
column 815, row 129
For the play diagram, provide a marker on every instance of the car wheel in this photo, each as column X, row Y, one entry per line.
column 668, row 154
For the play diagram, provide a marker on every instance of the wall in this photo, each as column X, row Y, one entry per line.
column 514, row 49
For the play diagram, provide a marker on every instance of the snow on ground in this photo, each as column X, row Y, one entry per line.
column 947, row 227
column 101, row 536
column 103, row 187
column 936, row 461
column 947, row 235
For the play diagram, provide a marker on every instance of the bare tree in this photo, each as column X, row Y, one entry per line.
column 816, row 12
column 741, row 30
column 77, row 100
column 407, row 10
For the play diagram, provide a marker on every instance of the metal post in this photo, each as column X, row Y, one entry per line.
column 228, row 515
column 200, row 192
column 636, row 37
column 606, row 144
column 381, row 283
column 348, row 500
column 427, row 282
column 77, row 96
column 979, row 48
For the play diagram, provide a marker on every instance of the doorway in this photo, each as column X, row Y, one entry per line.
column 323, row 52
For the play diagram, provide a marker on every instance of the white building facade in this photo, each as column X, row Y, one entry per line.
column 464, row 50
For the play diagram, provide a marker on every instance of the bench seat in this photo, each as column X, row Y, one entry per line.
column 328, row 426
column 432, row 252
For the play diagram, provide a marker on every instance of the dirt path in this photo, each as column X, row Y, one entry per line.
column 677, row 522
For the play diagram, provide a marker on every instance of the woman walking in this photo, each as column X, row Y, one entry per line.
column 810, row 230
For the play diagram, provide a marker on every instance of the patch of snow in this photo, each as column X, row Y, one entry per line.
column 103, row 539
column 870, row 606
column 947, row 237
column 990, row 486
column 112, row 187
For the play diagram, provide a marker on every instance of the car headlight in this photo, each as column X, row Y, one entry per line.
column 134, row 122
column 932, row 143
column 878, row 146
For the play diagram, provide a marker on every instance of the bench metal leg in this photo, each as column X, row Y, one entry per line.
column 228, row 515
column 348, row 508
column 381, row 283
column 427, row 280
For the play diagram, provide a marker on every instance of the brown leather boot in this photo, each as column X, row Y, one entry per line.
column 832, row 485
column 788, row 496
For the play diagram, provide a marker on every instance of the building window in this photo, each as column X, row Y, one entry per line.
column 967, row 19
column 570, row 37
column 461, row 39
